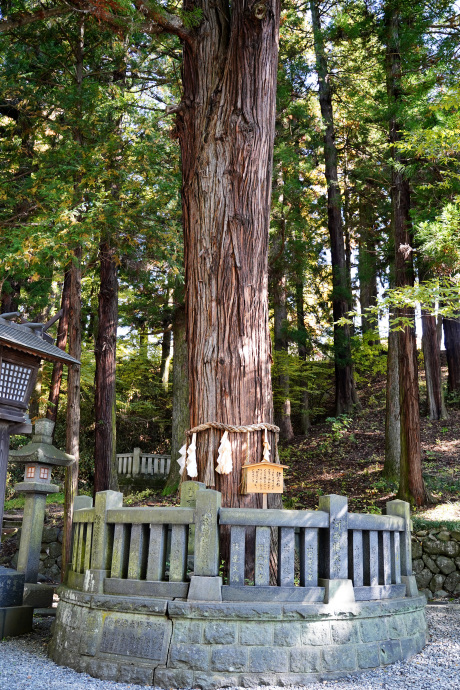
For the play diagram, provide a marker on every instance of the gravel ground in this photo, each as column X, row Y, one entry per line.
column 25, row 666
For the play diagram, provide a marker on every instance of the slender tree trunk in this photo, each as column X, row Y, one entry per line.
column 166, row 354
column 367, row 268
column 305, row 423
column 452, row 344
column 391, row 468
column 411, row 486
column 105, row 473
column 282, row 400
column 73, row 407
column 226, row 130
column 180, row 411
column 345, row 395
column 61, row 342
column 432, row 357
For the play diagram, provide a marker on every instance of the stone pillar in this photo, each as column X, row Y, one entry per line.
column 136, row 461
column 101, row 552
column 402, row 509
column 188, row 492
column 31, row 536
column 4, row 449
column 333, row 555
column 205, row 583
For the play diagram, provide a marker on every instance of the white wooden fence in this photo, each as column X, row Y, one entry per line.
column 137, row 463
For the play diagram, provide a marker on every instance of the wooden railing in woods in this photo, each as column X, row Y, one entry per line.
column 144, row 551
column 137, row 463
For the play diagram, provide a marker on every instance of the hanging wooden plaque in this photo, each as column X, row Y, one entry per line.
column 262, row 478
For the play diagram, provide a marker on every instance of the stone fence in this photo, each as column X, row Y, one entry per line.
column 320, row 554
column 308, row 595
column 147, row 464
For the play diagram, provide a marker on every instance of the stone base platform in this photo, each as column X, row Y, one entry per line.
column 179, row 644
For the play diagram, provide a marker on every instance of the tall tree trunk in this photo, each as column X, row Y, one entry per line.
column 367, row 267
column 345, row 394
column 451, row 328
column 61, row 342
column 432, row 357
column 411, row 486
column 226, row 130
column 305, row 423
column 166, row 353
column 180, row 411
column 391, row 467
column 282, row 401
column 105, row 473
column 73, row 406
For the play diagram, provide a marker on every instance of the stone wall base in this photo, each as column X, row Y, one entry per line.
column 179, row 644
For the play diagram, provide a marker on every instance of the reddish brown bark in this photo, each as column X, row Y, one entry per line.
column 411, row 485
column 105, row 476
column 432, row 357
column 226, row 129
column 451, row 328
column 73, row 406
column 61, row 342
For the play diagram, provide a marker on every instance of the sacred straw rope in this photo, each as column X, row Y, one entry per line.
column 242, row 429
column 234, row 429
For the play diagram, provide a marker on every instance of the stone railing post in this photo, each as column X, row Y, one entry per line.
column 136, row 461
column 205, row 584
column 101, row 549
column 188, row 492
column 333, row 555
column 402, row 509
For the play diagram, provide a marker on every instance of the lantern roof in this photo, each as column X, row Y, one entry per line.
column 41, row 450
column 32, row 339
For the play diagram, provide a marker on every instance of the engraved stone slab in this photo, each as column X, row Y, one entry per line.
column 144, row 639
column 262, row 556
column 335, row 551
column 308, row 554
column 11, row 587
column 286, row 557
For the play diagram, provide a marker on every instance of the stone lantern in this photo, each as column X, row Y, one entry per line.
column 39, row 457
column 22, row 347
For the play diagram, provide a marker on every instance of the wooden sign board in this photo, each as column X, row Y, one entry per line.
column 262, row 478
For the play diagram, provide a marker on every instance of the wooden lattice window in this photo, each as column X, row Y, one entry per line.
column 30, row 474
column 14, row 380
column 44, row 473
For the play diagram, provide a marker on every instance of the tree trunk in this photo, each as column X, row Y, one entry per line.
column 432, row 357
column 105, row 473
column 61, row 342
column 345, row 393
column 452, row 343
column 411, row 486
column 180, row 411
column 391, row 468
column 166, row 354
column 226, row 130
column 10, row 296
column 73, row 407
column 367, row 268
column 305, row 423
column 282, row 402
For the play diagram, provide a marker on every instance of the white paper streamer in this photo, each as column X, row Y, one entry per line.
column 266, row 454
column 182, row 459
column 192, row 469
column 224, row 459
